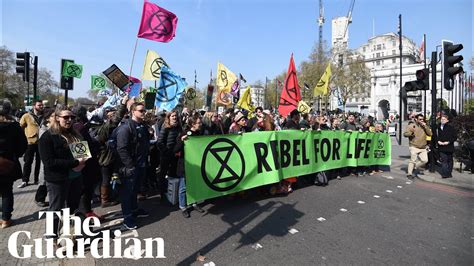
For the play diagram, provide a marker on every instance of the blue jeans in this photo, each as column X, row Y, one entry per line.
column 128, row 194
column 182, row 193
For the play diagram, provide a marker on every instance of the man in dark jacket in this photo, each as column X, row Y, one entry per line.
column 133, row 142
column 447, row 135
column 294, row 122
column 13, row 145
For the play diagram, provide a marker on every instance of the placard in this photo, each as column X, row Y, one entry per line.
column 117, row 77
column 80, row 150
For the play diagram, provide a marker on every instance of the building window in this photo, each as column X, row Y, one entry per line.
column 378, row 55
column 378, row 62
column 394, row 43
column 394, row 60
column 394, row 52
column 363, row 49
column 379, row 47
column 382, row 54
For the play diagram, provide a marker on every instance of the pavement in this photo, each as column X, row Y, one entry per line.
column 379, row 219
column 401, row 155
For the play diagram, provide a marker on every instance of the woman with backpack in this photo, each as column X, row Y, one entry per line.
column 12, row 146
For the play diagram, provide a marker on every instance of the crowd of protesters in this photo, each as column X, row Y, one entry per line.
column 135, row 151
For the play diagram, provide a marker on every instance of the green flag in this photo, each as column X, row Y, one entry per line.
column 72, row 70
column 97, row 83
column 225, row 164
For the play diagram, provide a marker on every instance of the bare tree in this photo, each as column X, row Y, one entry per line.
column 352, row 79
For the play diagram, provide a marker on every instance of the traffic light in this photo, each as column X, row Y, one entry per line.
column 422, row 81
column 449, row 60
column 23, row 65
column 67, row 83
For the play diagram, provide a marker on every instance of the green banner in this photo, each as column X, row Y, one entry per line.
column 97, row 83
column 225, row 164
column 72, row 70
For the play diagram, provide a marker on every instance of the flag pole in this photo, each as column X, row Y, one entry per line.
column 133, row 58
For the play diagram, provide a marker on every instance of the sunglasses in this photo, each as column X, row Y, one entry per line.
column 141, row 111
column 67, row 117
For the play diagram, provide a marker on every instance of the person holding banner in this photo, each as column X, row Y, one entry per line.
column 212, row 124
column 240, row 122
column 169, row 132
column 193, row 128
column 294, row 122
column 62, row 171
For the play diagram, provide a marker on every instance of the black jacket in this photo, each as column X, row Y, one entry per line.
column 213, row 129
column 290, row 124
column 56, row 157
column 133, row 144
column 448, row 133
column 12, row 146
column 179, row 152
column 167, row 140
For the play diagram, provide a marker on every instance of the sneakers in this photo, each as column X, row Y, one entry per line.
column 141, row 213
column 411, row 177
column 22, row 185
column 6, row 223
column 185, row 213
column 41, row 204
column 93, row 214
column 142, row 196
column 107, row 204
column 129, row 226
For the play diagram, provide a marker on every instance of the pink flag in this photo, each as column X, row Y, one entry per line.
column 158, row 24
column 422, row 50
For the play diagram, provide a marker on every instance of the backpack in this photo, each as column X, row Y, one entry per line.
column 111, row 145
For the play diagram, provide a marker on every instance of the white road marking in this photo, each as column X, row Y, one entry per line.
column 399, row 187
column 388, row 191
column 293, row 231
column 376, row 196
column 361, row 202
column 321, row 219
column 343, row 210
column 257, row 246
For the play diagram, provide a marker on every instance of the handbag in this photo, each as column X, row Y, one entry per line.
column 6, row 166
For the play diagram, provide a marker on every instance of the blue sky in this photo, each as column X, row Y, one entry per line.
column 254, row 37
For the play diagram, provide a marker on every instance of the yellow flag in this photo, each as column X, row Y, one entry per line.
column 225, row 78
column 303, row 107
column 152, row 67
column 245, row 101
column 323, row 84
